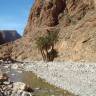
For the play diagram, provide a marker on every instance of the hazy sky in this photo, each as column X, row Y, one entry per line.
column 14, row 14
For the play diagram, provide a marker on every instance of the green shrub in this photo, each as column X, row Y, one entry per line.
column 44, row 43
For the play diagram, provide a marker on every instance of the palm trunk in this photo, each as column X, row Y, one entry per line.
column 52, row 47
column 47, row 55
column 43, row 55
column 52, row 54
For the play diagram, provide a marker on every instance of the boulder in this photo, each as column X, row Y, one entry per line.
column 3, row 77
column 19, row 86
column 26, row 94
column 20, row 89
column 14, row 66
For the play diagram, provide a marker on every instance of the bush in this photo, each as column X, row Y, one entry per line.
column 44, row 43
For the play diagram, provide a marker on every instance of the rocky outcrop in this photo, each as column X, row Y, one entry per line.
column 49, row 12
column 13, row 89
column 8, row 88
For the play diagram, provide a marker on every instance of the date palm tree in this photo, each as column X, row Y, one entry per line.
column 44, row 43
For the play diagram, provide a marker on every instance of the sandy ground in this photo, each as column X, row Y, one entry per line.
column 79, row 78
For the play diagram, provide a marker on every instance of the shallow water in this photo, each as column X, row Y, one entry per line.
column 41, row 87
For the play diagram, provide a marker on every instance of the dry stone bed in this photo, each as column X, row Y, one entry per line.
column 79, row 78
column 8, row 88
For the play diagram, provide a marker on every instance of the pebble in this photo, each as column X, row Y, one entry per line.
column 6, row 83
column 76, row 77
column 8, row 88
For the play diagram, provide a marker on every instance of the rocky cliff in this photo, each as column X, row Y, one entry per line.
column 49, row 13
column 74, row 19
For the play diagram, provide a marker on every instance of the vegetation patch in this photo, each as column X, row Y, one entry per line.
column 45, row 44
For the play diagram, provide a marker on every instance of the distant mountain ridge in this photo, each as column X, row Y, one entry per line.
column 8, row 36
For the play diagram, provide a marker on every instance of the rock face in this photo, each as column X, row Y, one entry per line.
column 76, row 22
column 50, row 12
column 8, row 36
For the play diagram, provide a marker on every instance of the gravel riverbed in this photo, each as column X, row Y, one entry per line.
column 78, row 78
column 20, row 82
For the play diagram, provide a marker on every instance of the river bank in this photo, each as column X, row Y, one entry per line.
column 18, row 75
column 78, row 78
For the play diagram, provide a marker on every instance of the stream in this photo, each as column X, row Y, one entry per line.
column 40, row 87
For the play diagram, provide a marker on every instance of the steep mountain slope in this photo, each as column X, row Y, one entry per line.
column 76, row 22
column 48, row 13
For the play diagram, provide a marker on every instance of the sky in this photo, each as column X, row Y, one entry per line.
column 14, row 14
